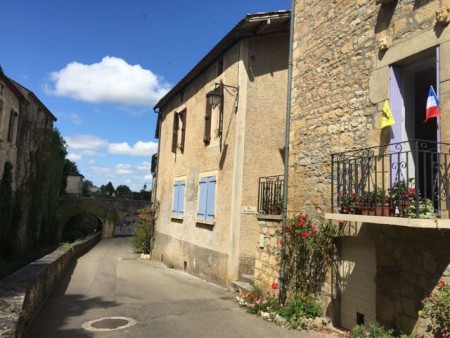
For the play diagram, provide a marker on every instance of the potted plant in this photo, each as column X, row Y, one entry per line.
column 374, row 202
column 400, row 195
column 349, row 202
column 426, row 209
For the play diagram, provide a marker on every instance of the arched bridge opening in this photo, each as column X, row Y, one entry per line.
column 108, row 215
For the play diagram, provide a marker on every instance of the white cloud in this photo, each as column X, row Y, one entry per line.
column 112, row 80
column 86, row 142
column 123, row 169
column 100, row 170
column 74, row 157
column 76, row 119
column 140, row 148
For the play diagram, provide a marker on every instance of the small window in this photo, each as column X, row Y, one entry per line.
column 178, row 198
column 207, row 199
column 219, row 67
column 178, row 139
column 12, row 126
column 213, row 122
column 181, row 97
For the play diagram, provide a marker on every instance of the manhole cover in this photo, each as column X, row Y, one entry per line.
column 108, row 324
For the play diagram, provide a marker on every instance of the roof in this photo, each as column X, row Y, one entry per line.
column 252, row 25
column 26, row 92
column 11, row 85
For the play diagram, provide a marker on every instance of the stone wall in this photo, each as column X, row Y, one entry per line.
column 23, row 293
column 341, row 80
column 267, row 263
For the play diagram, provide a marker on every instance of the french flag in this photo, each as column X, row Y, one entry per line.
column 432, row 105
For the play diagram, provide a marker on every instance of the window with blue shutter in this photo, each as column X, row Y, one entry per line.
column 207, row 197
column 178, row 198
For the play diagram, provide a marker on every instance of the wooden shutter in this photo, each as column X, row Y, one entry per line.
column 176, row 189
column 208, row 112
column 182, row 186
column 175, row 133
column 202, row 196
column 211, row 198
column 183, row 129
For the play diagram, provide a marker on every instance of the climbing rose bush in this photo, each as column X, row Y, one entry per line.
column 437, row 308
column 143, row 231
column 309, row 252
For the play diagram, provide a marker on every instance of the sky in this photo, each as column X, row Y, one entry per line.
column 100, row 67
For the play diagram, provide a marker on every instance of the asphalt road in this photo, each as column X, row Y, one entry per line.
column 111, row 281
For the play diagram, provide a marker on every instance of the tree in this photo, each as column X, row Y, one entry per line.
column 109, row 189
column 87, row 185
column 122, row 190
column 69, row 168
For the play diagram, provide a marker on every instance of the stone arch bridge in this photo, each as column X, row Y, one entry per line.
column 107, row 211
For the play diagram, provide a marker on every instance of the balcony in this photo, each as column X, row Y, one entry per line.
column 404, row 184
column 270, row 195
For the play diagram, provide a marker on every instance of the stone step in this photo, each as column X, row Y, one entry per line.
column 244, row 287
column 248, row 279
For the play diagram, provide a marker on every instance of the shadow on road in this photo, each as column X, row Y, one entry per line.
column 64, row 308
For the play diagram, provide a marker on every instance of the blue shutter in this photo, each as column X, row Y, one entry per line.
column 176, row 188
column 182, row 186
column 211, row 198
column 203, row 193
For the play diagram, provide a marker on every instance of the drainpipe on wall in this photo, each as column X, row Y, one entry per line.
column 155, row 179
column 282, row 294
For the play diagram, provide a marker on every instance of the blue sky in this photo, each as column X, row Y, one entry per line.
column 100, row 66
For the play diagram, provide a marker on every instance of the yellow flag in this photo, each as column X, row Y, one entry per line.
column 386, row 117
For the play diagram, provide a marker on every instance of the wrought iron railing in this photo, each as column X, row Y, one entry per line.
column 406, row 179
column 270, row 195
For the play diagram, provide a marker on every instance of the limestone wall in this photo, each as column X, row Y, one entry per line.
column 341, row 80
column 267, row 264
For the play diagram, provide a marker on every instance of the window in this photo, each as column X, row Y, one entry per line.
column 219, row 67
column 207, row 196
column 12, row 125
column 213, row 122
column 178, row 198
column 178, row 139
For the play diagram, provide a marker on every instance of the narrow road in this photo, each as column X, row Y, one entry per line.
column 111, row 281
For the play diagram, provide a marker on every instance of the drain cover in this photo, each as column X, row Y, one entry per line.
column 108, row 324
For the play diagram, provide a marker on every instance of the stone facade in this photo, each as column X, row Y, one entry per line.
column 245, row 147
column 267, row 263
column 343, row 54
column 74, row 184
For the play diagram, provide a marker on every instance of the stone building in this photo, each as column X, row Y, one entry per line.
column 351, row 59
column 220, row 130
column 34, row 153
column 74, row 184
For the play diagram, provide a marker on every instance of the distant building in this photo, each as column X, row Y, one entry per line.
column 74, row 184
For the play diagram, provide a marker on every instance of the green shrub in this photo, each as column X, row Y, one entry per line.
column 437, row 308
column 141, row 239
column 299, row 308
column 374, row 330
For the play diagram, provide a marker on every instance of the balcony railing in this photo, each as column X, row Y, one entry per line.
column 406, row 179
column 270, row 195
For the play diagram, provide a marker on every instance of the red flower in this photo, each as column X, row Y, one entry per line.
column 301, row 216
column 441, row 283
column 341, row 222
column 281, row 241
column 305, row 235
column 299, row 224
column 313, row 230
column 287, row 228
